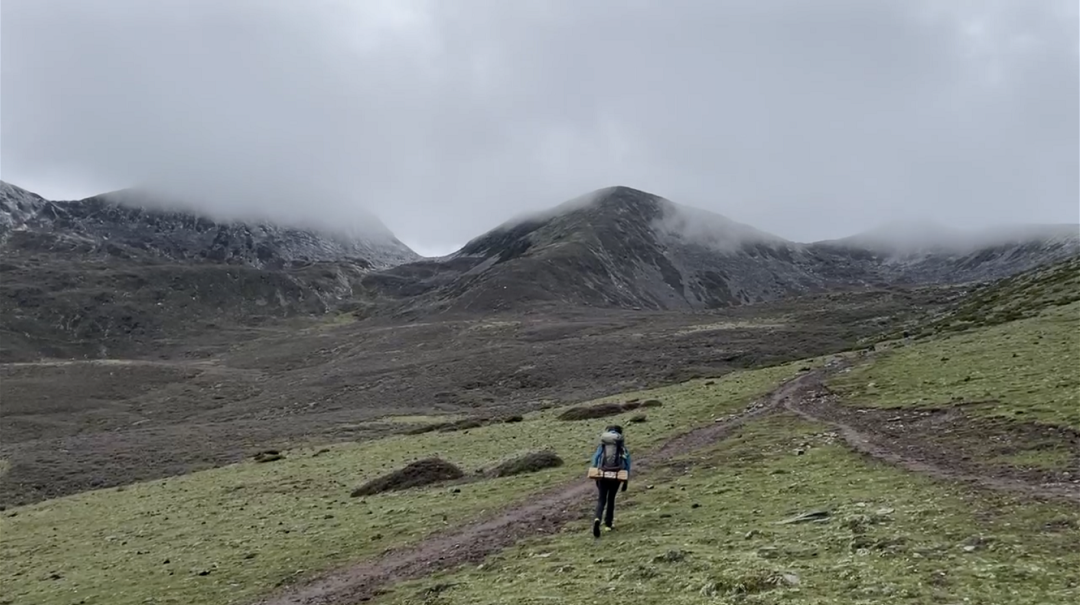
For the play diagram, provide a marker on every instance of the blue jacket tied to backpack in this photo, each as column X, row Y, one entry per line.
column 611, row 443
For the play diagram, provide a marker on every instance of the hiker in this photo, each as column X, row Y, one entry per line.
column 611, row 455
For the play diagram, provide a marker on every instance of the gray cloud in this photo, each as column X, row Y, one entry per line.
column 807, row 119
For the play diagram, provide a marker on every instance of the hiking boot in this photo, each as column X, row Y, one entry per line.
column 608, row 528
column 596, row 528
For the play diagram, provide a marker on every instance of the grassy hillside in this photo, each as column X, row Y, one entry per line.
column 705, row 528
column 228, row 534
column 1027, row 368
column 713, row 534
column 711, row 530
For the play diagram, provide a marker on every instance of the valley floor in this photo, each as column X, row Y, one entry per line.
column 937, row 471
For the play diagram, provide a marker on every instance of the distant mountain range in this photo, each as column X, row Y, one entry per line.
column 620, row 247
column 117, row 273
column 131, row 223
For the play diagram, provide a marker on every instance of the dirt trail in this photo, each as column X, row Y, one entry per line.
column 543, row 513
column 816, row 403
column 547, row 512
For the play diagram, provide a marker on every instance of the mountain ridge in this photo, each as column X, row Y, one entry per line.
column 624, row 247
column 98, row 277
column 118, row 219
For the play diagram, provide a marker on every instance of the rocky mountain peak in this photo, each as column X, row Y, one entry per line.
column 134, row 223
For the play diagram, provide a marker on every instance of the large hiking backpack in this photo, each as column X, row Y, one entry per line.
column 611, row 458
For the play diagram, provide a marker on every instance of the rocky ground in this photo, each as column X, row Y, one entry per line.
column 69, row 426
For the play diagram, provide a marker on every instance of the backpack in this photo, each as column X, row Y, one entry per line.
column 611, row 458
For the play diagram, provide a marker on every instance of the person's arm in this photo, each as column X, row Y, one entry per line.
column 596, row 456
column 627, row 458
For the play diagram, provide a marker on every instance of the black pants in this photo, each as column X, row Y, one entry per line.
column 608, row 488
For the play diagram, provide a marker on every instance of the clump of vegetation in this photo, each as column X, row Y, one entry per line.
column 268, row 456
column 418, row 474
column 529, row 463
column 602, row 410
column 474, row 422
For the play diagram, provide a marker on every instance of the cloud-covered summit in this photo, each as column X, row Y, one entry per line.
column 808, row 120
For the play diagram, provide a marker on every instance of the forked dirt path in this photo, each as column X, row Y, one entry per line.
column 543, row 513
column 547, row 512
column 816, row 403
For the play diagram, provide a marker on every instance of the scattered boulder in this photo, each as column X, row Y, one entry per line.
column 464, row 424
column 671, row 556
column 269, row 456
column 639, row 418
column 601, row 410
column 417, row 474
column 810, row 517
column 449, row 427
column 529, row 463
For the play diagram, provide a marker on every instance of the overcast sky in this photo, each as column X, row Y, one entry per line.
column 811, row 120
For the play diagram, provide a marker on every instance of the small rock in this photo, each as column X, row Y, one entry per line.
column 969, row 548
column 800, row 451
column 751, row 534
column 671, row 556
column 790, row 579
column 695, row 505
column 817, row 515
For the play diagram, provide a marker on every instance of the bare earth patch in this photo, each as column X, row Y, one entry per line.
column 949, row 442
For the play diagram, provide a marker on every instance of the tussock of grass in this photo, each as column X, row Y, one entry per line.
column 1029, row 367
column 890, row 537
column 415, row 474
column 252, row 526
column 529, row 463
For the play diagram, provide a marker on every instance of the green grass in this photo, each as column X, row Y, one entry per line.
column 1017, row 297
column 893, row 537
column 1030, row 366
column 1057, row 456
column 249, row 527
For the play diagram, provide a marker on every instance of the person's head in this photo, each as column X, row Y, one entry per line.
column 614, row 429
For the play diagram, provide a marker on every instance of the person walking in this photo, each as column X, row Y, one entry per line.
column 610, row 456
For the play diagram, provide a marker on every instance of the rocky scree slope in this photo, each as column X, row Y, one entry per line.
column 119, row 224
column 105, row 277
column 620, row 247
